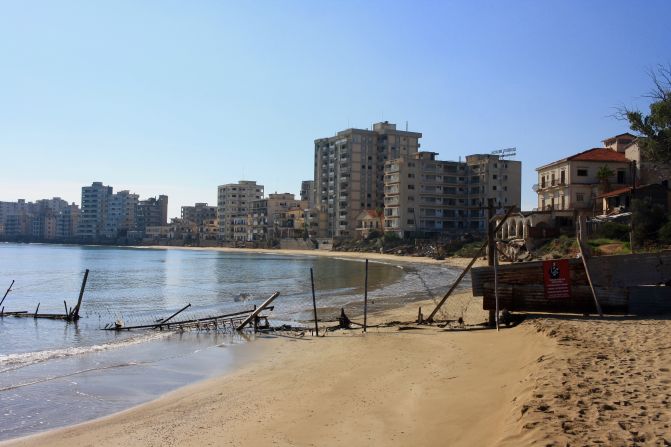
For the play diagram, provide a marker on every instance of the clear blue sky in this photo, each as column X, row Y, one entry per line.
column 179, row 97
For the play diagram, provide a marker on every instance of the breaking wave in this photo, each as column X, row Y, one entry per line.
column 9, row 362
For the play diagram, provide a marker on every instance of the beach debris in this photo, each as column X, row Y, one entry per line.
column 71, row 315
column 489, row 243
column 343, row 321
column 257, row 311
column 9, row 289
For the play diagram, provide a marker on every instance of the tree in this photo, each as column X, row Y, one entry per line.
column 654, row 130
column 647, row 219
column 604, row 174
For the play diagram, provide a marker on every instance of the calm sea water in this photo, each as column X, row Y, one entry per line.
column 54, row 374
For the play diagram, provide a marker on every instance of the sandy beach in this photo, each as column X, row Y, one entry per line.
column 455, row 262
column 548, row 381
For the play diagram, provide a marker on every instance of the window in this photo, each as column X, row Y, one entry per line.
column 411, row 210
column 411, row 186
column 411, row 222
column 620, row 177
column 411, row 175
column 580, row 197
column 494, row 188
column 494, row 177
column 582, row 172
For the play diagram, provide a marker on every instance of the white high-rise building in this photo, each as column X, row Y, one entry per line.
column 234, row 202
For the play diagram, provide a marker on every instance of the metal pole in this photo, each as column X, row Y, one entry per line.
column 365, row 299
column 175, row 314
column 8, row 290
column 314, row 302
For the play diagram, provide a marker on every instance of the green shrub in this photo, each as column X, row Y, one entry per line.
column 614, row 230
column 665, row 233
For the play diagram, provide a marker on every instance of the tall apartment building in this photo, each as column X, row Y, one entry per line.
column 234, row 201
column 204, row 219
column 93, row 214
column 121, row 210
column 152, row 212
column 308, row 192
column 199, row 213
column 428, row 196
column 267, row 215
column 349, row 171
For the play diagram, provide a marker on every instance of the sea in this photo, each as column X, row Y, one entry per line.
column 54, row 373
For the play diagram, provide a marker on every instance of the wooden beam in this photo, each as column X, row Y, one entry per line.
column 314, row 302
column 589, row 278
column 75, row 311
column 468, row 267
column 257, row 311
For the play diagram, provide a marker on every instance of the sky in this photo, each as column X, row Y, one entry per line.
column 173, row 97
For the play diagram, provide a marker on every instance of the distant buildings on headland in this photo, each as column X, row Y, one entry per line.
column 104, row 217
column 364, row 181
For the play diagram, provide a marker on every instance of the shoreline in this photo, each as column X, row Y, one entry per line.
column 302, row 391
column 552, row 380
column 456, row 262
column 394, row 304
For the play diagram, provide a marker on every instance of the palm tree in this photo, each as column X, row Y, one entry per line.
column 604, row 174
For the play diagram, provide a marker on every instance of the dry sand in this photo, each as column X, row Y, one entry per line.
column 607, row 383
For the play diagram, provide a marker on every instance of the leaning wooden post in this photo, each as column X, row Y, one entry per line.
column 491, row 249
column 468, row 267
column 36, row 310
column 8, row 290
column 589, row 278
column 66, row 308
column 314, row 301
column 75, row 312
column 365, row 299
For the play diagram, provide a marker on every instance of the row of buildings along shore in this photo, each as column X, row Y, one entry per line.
column 365, row 180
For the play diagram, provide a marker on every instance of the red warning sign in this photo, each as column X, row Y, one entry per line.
column 557, row 279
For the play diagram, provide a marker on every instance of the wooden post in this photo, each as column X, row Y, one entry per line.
column 468, row 267
column 75, row 312
column 496, row 290
column 491, row 238
column 37, row 309
column 491, row 244
column 365, row 299
column 66, row 308
column 314, row 301
column 420, row 318
column 589, row 278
